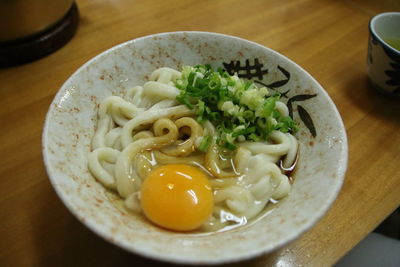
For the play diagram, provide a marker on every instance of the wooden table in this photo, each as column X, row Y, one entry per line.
column 326, row 37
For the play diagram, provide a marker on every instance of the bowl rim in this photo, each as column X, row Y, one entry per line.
column 374, row 33
column 342, row 165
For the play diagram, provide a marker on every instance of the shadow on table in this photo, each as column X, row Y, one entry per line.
column 373, row 102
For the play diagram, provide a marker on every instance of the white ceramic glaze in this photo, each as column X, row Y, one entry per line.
column 383, row 64
column 71, row 121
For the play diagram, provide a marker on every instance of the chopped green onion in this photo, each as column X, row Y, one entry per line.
column 205, row 143
column 237, row 108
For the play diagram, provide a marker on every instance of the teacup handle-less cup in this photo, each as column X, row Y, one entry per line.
column 383, row 62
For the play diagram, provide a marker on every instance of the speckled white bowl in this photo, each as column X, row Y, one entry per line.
column 70, row 125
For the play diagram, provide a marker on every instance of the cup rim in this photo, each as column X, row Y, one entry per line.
column 376, row 36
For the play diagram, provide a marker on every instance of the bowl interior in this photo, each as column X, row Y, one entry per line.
column 71, row 122
column 386, row 25
column 385, row 28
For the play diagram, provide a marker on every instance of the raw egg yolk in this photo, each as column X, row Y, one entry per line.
column 177, row 197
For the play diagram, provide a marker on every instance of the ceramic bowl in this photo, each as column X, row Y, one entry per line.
column 71, row 120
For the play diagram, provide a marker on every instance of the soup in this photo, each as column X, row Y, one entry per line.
column 195, row 149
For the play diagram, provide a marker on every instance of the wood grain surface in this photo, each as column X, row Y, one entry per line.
column 328, row 38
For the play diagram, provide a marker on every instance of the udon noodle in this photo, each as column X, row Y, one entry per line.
column 148, row 128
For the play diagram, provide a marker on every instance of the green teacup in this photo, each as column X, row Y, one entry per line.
column 383, row 64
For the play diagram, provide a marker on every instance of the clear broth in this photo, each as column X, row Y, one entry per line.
column 268, row 209
column 393, row 42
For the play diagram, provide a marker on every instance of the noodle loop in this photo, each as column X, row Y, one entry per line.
column 149, row 128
